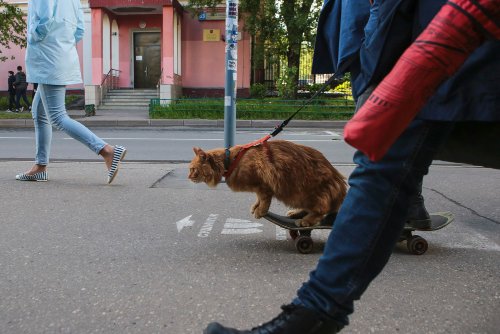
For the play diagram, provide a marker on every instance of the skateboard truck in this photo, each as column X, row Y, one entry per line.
column 415, row 243
column 300, row 235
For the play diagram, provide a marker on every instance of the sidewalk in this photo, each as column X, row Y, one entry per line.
column 151, row 253
column 131, row 118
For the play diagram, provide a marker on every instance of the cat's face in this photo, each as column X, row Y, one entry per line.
column 201, row 168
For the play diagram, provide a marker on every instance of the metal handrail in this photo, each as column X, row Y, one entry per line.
column 109, row 82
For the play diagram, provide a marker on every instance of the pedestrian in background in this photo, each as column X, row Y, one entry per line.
column 12, row 92
column 54, row 29
column 21, row 86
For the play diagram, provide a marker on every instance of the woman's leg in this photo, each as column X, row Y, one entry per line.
column 53, row 98
column 43, row 137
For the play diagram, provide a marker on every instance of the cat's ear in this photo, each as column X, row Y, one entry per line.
column 199, row 152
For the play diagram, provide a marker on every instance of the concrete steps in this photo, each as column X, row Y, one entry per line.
column 128, row 99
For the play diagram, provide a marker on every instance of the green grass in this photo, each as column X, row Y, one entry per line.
column 269, row 108
column 8, row 115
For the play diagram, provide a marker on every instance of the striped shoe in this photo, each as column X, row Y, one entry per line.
column 40, row 177
column 118, row 155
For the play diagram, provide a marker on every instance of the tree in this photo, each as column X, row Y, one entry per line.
column 283, row 24
column 12, row 27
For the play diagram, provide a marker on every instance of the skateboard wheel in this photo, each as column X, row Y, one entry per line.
column 293, row 234
column 417, row 245
column 304, row 244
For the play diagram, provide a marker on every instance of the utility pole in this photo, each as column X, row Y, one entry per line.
column 231, row 68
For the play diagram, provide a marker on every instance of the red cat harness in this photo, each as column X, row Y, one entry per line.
column 229, row 165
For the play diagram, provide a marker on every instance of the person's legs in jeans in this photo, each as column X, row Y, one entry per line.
column 50, row 111
column 367, row 227
column 370, row 221
column 53, row 98
column 418, row 217
column 43, row 132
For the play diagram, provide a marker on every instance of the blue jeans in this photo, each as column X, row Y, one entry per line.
column 49, row 109
column 370, row 220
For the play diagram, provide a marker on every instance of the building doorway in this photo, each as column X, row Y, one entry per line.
column 147, row 59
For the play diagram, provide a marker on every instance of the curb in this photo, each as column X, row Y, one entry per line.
column 269, row 124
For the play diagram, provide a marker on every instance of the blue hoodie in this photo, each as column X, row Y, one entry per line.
column 54, row 28
column 367, row 40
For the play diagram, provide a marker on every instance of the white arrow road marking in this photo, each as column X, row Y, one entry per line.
column 208, row 225
column 184, row 222
column 240, row 226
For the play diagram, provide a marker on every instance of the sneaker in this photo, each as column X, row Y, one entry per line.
column 8, row 110
column 39, row 177
column 21, row 110
column 294, row 319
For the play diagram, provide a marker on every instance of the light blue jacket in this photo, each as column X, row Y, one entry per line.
column 54, row 28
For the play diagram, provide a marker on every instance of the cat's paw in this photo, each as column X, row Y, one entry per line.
column 259, row 212
column 254, row 207
column 296, row 213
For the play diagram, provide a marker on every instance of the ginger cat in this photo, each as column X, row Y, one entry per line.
column 297, row 175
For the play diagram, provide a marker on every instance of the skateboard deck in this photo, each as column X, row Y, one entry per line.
column 289, row 222
column 304, row 243
column 415, row 243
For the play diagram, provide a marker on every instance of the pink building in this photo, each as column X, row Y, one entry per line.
column 151, row 44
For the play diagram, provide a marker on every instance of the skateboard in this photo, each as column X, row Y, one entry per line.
column 415, row 243
column 301, row 235
column 304, row 243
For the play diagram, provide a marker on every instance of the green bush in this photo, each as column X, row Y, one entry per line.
column 258, row 91
column 4, row 102
column 285, row 84
column 344, row 88
column 314, row 88
column 269, row 108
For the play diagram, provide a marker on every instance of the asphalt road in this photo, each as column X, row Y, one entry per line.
column 165, row 144
column 153, row 253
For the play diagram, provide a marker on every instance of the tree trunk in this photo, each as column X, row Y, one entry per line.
column 293, row 62
column 258, row 61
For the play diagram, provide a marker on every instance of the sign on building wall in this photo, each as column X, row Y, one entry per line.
column 211, row 35
column 212, row 16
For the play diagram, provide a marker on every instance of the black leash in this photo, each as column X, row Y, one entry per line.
column 280, row 127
